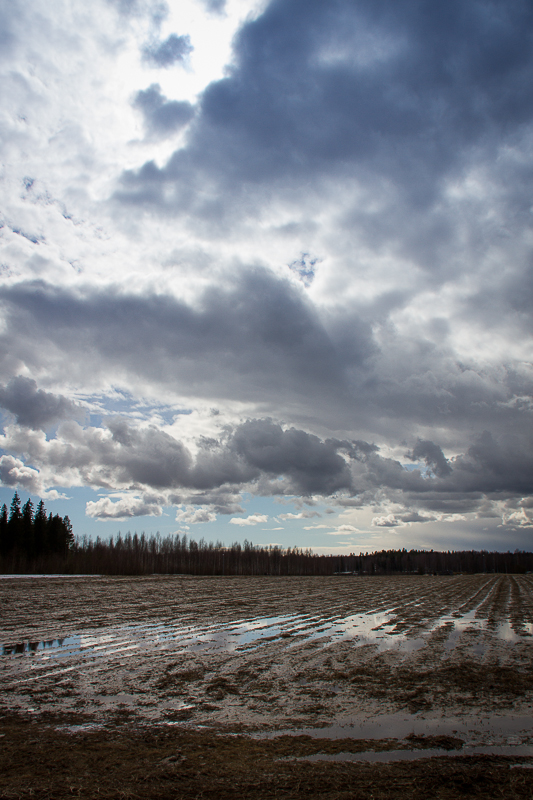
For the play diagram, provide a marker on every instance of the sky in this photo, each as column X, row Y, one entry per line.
column 266, row 269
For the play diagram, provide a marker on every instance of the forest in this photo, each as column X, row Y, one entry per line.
column 33, row 543
column 29, row 536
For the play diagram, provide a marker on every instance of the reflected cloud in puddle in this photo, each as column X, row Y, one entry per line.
column 487, row 731
column 378, row 628
column 292, row 629
column 459, row 624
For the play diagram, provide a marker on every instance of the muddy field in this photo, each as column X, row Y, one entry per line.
column 209, row 684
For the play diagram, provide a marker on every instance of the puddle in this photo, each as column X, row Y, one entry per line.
column 373, row 628
column 31, row 647
column 292, row 629
column 482, row 731
column 503, row 631
column 389, row 756
column 376, row 628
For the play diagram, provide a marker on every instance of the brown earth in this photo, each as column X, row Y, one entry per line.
column 148, row 661
column 128, row 762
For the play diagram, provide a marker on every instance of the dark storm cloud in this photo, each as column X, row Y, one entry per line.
column 261, row 456
column 33, row 407
column 498, row 464
column 492, row 467
column 256, row 335
column 129, row 457
column 508, row 298
column 433, row 456
column 254, row 449
column 147, row 457
column 161, row 116
column 313, row 466
column 172, row 50
column 405, row 91
column 258, row 339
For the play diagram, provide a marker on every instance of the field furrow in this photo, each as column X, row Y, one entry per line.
column 266, row 652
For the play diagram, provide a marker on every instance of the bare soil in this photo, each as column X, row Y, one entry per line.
column 158, row 686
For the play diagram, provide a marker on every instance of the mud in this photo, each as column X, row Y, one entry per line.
column 271, row 668
column 155, row 763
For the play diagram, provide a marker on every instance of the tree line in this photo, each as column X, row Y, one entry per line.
column 141, row 555
column 32, row 542
column 29, row 536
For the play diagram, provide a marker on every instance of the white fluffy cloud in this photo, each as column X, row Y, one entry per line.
column 192, row 516
column 253, row 519
column 124, row 508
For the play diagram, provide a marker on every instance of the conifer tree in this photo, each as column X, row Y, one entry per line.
column 40, row 530
column 59, row 532
column 27, row 542
column 14, row 524
column 3, row 530
column 68, row 535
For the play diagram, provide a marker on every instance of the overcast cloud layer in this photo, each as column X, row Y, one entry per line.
column 278, row 250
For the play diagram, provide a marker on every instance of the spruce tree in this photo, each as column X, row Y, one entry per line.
column 67, row 532
column 40, row 530
column 27, row 538
column 3, row 530
column 60, row 536
column 14, row 524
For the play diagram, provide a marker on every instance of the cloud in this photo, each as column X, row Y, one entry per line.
column 13, row 472
column 215, row 6
column 155, row 10
column 262, row 457
column 309, row 240
column 390, row 521
column 124, row 508
column 304, row 268
column 373, row 85
column 253, row 519
column 172, row 50
column 317, row 527
column 433, row 456
column 34, row 407
column 162, row 117
column 300, row 515
column 124, row 456
column 258, row 336
column 194, row 516
column 312, row 466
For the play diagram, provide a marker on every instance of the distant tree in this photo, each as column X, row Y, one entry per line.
column 27, row 539
column 60, row 537
column 3, row 530
column 40, row 530
column 14, row 524
column 68, row 535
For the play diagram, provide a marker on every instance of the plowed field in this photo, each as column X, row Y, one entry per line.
column 347, row 664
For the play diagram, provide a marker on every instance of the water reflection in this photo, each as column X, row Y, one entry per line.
column 381, row 629
column 30, row 647
column 388, row 756
column 490, row 730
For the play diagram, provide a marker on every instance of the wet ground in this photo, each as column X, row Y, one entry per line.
column 362, row 671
